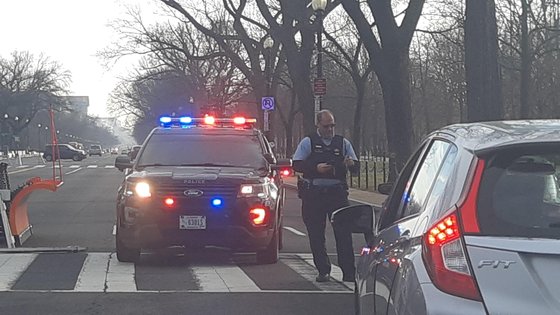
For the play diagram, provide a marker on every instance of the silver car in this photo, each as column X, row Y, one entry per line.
column 471, row 226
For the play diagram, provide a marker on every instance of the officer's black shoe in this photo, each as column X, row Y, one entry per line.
column 323, row 278
column 348, row 279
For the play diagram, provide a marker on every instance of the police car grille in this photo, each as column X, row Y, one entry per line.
column 207, row 190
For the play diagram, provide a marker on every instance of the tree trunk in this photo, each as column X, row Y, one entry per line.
column 484, row 99
column 395, row 85
column 357, row 131
column 525, row 111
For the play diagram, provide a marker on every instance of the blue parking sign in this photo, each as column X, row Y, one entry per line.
column 267, row 103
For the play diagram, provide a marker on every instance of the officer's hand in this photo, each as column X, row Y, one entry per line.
column 324, row 168
column 348, row 162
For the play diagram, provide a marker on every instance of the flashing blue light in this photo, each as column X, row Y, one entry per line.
column 217, row 202
column 185, row 120
column 165, row 119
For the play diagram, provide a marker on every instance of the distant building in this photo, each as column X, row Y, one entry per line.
column 78, row 105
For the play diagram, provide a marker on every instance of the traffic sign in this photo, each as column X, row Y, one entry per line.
column 267, row 103
column 320, row 86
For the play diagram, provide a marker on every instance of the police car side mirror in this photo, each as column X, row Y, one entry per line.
column 385, row 188
column 360, row 219
column 269, row 158
column 123, row 162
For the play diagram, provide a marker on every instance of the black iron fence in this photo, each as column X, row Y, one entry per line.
column 374, row 170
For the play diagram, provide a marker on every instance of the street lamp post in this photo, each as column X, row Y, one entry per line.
column 319, row 84
column 267, row 45
column 39, row 137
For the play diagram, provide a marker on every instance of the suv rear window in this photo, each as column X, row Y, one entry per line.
column 519, row 194
column 197, row 149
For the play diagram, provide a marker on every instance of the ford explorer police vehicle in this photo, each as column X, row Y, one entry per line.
column 199, row 182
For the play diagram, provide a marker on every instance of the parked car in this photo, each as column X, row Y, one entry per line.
column 95, row 149
column 471, row 226
column 134, row 152
column 66, row 151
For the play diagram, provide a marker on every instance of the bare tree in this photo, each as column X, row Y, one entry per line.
column 29, row 84
column 484, row 99
column 388, row 49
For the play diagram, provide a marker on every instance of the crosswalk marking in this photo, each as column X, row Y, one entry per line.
column 120, row 276
column 92, row 275
column 11, row 267
column 224, row 279
column 92, row 166
column 102, row 272
column 73, row 166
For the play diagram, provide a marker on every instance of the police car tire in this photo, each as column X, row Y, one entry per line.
column 75, row 157
column 126, row 254
column 48, row 158
column 271, row 253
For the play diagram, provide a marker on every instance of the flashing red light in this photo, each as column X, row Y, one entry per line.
column 239, row 120
column 286, row 172
column 209, row 120
column 169, row 202
column 258, row 216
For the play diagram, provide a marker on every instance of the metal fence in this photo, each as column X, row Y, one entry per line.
column 374, row 170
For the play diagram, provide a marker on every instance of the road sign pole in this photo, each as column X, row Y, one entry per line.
column 266, row 122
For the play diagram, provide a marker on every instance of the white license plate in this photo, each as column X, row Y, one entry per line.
column 192, row 222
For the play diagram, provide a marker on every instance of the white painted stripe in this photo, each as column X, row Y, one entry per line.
column 11, row 267
column 209, row 280
column 72, row 172
column 296, row 232
column 93, row 274
column 201, row 292
column 40, row 166
column 336, row 272
column 22, row 166
column 223, row 279
column 120, row 276
column 92, row 166
column 109, row 166
column 74, row 166
column 115, row 229
column 236, row 279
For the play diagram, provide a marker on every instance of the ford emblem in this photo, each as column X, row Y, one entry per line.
column 193, row 193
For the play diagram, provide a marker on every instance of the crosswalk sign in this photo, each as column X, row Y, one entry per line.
column 267, row 103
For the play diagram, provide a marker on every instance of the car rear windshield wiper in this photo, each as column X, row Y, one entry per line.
column 208, row 164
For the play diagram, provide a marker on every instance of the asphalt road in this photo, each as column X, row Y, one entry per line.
column 92, row 281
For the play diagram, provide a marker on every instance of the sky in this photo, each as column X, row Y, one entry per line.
column 70, row 32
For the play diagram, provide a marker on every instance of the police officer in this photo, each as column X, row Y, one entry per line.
column 324, row 159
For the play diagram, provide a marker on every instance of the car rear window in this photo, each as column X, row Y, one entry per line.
column 187, row 149
column 519, row 194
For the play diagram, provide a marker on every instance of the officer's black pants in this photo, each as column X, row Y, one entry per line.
column 317, row 206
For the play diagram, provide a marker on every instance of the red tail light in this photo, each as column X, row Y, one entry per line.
column 258, row 216
column 446, row 261
column 286, row 172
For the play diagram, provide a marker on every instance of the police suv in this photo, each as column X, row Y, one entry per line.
column 199, row 182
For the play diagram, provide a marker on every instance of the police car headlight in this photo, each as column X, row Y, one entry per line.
column 142, row 190
column 254, row 190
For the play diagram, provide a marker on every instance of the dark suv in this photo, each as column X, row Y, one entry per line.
column 198, row 185
column 471, row 226
column 66, row 151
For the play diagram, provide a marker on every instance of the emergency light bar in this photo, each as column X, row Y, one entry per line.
column 186, row 121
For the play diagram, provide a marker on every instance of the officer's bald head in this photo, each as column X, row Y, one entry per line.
column 325, row 123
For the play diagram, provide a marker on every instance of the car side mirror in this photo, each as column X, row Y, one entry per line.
column 358, row 218
column 269, row 158
column 385, row 188
column 123, row 162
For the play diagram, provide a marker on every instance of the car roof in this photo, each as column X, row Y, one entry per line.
column 488, row 136
column 204, row 130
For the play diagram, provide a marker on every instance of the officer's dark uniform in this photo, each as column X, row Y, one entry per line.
column 321, row 194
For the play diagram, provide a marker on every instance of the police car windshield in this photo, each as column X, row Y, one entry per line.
column 202, row 150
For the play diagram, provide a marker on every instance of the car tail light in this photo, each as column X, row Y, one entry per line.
column 286, row 172
column 447, row 264
column 169, row 201
column 258, row 216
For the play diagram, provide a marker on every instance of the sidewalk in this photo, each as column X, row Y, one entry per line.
column 357, row 195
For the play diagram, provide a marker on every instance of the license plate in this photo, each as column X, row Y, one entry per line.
column 192, row 222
